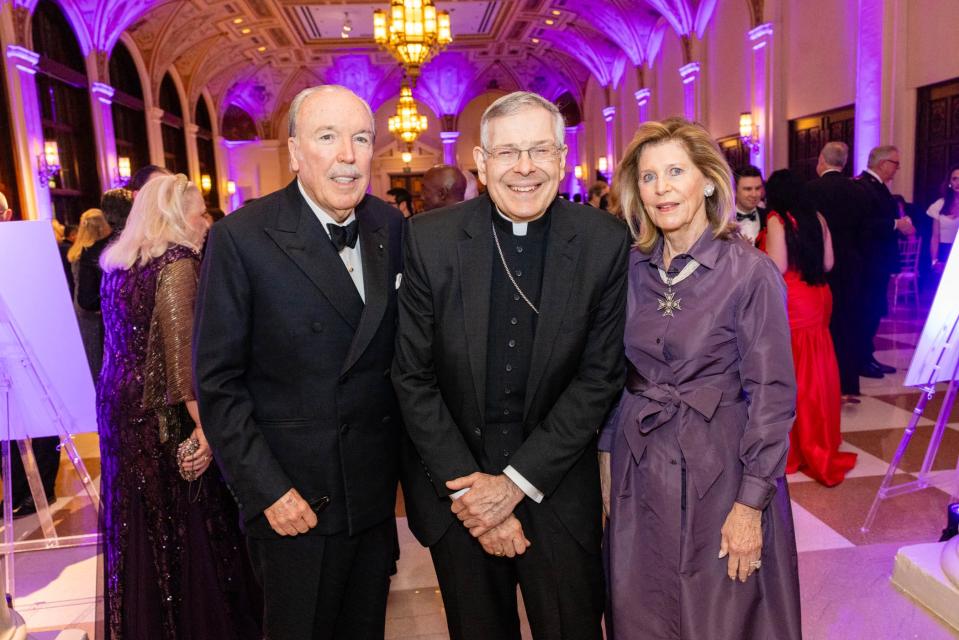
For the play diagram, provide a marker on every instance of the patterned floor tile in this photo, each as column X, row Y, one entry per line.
column 876, row 412
column 812, row 534
column 883, row 444
column 906, row 519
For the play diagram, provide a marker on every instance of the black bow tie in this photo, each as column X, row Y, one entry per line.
column 746, row 216
column 343, row 236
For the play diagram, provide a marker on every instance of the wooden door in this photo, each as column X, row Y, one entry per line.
column 808, row 135
column 937, row 139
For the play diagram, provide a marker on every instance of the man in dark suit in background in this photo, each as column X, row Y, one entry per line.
column 843, row 204
column 509, row 355
column 749, row 193
column 294, row 338
column 882, row 228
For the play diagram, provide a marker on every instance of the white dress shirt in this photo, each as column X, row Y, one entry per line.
column 749, row 228
column 351, row 257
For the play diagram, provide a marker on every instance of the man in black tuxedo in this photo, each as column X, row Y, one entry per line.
column 293, row 343
column 881, row 234
column 844, row 205
column 749, row 193
column 509, row 355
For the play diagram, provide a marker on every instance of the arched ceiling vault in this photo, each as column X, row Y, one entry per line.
column 258, row 53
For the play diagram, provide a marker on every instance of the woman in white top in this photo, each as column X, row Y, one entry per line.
column 945, row 220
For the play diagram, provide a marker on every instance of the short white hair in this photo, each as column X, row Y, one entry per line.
column 878, row 154
column 301, row 97
column 517, row 101
column 835, row 153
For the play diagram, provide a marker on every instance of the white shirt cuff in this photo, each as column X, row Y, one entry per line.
column 531, row 492
column 459, row 494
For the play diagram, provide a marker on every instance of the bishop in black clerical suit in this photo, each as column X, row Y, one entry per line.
column 294, row 337
column 509, row 355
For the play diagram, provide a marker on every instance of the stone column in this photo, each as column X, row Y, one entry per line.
column 573, row 184
column 449, row 139
column 223, row 174
column 690, row 75
column 27, row 131
column 871, row 54
column 761, row 95
column 609, row 115
column 155, row 135
column 101, row 101
column 642, row 103
column 192, row 155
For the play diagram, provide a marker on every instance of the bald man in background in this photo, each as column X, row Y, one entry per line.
column 443, row 185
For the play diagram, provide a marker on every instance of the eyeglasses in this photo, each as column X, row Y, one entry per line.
column 895, row 162
column 510, row 155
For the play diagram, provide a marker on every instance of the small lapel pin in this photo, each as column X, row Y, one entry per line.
column 381, row 247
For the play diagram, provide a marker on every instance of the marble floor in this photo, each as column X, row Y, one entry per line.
column 844, row 573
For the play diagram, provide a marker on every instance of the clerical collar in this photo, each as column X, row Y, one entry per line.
column 518, row 228
column 320, row 213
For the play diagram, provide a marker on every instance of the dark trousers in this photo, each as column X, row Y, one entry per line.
column 876, row 306
column 325, row 587
column 48, row 463
column 847, row 327
column 561, row 582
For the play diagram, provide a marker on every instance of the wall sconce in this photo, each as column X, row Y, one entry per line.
column 602, row 164
column 407, row 157
column 230, row 187
column 578, row 172
column 122, row 172
column 48, row 162
column 748, row 132
column 206, row 183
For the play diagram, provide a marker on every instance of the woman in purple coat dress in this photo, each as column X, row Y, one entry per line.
column 700, row 541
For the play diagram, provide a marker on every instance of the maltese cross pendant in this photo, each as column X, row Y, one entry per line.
column 670, row 304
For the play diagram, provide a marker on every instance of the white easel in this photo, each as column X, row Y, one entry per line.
column 936, row 360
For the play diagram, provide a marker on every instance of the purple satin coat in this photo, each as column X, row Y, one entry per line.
column 703, row 423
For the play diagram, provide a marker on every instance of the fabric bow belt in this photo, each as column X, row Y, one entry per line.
column 703, row 460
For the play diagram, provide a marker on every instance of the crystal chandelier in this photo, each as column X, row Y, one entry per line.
column 413, row 32
column 407, row 124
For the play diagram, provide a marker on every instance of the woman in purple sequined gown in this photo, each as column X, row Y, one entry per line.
column 174, row 565
column 700, row 542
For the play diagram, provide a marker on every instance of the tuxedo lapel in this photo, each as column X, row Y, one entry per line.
column 374, row 240
column 559, row 270
column 476, row 263
column 299, row 234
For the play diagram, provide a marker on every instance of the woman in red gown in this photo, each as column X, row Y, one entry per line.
column 798, row 241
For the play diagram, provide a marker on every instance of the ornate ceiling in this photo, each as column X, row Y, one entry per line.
column 257, row 54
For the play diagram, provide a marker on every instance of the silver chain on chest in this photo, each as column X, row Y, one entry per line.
column 508, row 273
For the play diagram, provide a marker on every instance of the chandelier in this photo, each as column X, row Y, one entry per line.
column 407, row 124
column 413, row 32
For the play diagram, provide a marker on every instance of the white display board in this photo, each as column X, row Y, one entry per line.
column 935, row 357
column 40, row 348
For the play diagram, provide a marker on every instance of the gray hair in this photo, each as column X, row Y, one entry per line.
column 517, row 101
column 301, row 97
column 878, row 154
column 835, row 154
